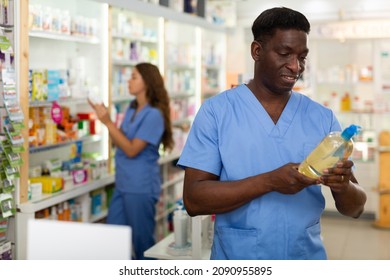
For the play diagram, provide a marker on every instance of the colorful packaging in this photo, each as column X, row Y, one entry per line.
column 49, row 184
column 79, row 176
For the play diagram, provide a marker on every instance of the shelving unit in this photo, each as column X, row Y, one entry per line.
column 182, row 72
column 179, row 61
column 47, row 200
column 359, row 69
column 28, row 210
column 134, row 38
column 50, row 49
column 63, row 37
column 171, row 189
column 75, row 52
column 10, row 94
column 84, row 139
column 213, row 63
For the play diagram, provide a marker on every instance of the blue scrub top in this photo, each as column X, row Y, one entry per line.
column 234, row 137
column 140, row 174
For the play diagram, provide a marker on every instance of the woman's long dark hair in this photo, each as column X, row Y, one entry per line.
column 157, row 96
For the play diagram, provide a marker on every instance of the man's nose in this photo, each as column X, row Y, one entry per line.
column 294, row 65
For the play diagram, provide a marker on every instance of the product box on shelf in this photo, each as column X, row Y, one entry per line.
column 35, row 190
column 53, row 85
column 52, row 167
column 98, row 201
column 93, row 125
column 6, row 251
column 79, row 176
column 39, row 85
column 3, row 229
column 49, row 184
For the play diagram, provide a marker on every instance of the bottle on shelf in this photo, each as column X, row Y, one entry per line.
column 53, row 213
column 181, row 245
column 180, row 226
column 66, row 211
column 60, row 211
column 334, row 103
column 329, row 151
column 346, row 103
column 211, row 230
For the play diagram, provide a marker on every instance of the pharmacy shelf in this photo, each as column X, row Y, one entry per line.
column 124, row 62
column 212, row 67
column 50, row 50
column 135, row 38
column 168, row 157
column 98, row 217
column 344, row 83
column 85, row 139
column 164, row 187
column 120, row 99
column 164, row 12
column 183, row 121
column 181, row 95
column 63, row 37
column 181, row 67
column 48, row 200
column 73, row 101
column 177, row 179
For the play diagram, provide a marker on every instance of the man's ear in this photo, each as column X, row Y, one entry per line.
column 256, row 50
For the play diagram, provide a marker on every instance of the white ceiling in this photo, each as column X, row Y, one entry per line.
column 316, row 10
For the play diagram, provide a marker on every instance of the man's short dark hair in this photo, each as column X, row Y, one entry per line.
column 283, row 18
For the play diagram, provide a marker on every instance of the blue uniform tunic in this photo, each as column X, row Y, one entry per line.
column 137, row 179
column 234, row 137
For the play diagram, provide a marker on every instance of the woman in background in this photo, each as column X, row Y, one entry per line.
column 146, row 125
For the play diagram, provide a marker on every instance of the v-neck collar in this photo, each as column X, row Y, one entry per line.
column 280, row 128
column 139, row 113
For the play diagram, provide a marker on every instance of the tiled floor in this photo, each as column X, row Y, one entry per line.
column 354, row 239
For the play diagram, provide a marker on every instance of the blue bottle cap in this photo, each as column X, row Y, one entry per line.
column 350, row 131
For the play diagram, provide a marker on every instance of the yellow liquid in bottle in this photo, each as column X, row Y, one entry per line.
column 331, row 149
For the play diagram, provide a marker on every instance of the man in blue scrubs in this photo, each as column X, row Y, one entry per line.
column 244, row 148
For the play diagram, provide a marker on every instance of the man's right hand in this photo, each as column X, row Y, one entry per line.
column 287, row 180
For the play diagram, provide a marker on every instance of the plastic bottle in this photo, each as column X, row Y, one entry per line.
column 347, row 104
column 60, row 211
column 330, row 150
column 66, row 211
column 46, row 213
column 53, row 213
column 211, row 230
column 180, row 222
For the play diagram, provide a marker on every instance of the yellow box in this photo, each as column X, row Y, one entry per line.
column 49, row 184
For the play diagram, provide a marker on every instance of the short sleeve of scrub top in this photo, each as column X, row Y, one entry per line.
column 152, row 127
